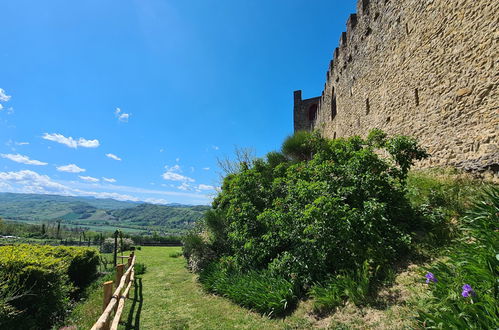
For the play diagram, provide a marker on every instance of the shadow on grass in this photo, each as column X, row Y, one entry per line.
column 133, row 321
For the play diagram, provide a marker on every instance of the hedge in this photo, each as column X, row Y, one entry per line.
column 37, row 282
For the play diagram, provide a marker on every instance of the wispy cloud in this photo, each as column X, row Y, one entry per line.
column 70, row 142
column 111, row 180
column 198, row 188
column 31, row 182
column 71, row 168
column 113, row 156
column 215, row 147
column 3, row 96
column 185, row 187
column 23, row 159
column 173, row 174
column 205, row 187
column 22, row 143
column 206, row 168
column 88, row 178
column 123, row 117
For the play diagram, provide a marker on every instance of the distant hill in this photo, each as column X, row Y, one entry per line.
column 161, row 215
column 94, row 212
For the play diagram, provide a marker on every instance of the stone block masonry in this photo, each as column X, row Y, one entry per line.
column 424, row 68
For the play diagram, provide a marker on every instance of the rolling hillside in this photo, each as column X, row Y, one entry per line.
column 93, row 212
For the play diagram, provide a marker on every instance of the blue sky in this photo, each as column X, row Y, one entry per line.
column 137, row 99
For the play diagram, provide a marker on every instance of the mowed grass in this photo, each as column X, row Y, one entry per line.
column 173, row 299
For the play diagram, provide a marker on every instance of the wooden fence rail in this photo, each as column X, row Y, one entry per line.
column 115, row 302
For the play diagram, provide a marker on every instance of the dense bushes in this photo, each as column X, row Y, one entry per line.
column 464, row 286
column 315, row 210
column 43, row 279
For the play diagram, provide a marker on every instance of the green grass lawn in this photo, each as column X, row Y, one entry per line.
column 172, row 299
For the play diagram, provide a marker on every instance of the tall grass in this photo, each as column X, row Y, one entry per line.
column 257, row 290
column 353, row 286
column 466, row 292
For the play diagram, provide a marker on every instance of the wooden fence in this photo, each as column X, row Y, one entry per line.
column 115, row 302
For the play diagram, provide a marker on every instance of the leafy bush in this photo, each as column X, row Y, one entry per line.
column 464, row 286
column 46, row 276
column 257, row 290
column 140, row 268
column 175, row 254
column 311, row 213
column 315, row 212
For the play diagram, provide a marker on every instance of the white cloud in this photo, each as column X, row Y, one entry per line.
column 206, row 168
column 4, row 97
column 205, row 187
column 32, row 182
column 185, row 187
column 175, row 168
column 161, row 150
column 70, row 142
column 22, row 143
column 123, row 117
column 113, row 156
column 1, row 107
column 88, row 143
column 89, row 178
column 172, row 174
column 177, row 159
column 27, row 181
column 109, row 180
column 71, row 168
column 215, row 147
column 22, row 159
column 156, row 201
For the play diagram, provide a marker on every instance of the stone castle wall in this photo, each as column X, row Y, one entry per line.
column 424, row 68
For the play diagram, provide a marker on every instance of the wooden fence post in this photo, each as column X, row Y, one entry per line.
column 119, row 273
column 108, row 293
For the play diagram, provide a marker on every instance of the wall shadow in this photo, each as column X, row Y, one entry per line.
column 133, row 320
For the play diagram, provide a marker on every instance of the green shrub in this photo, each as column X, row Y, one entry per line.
column 331, row 205
column 140, row 268
column 175, row 254
column 83, row 263
column 473, row 262
column 257, row 290
column 46, row 276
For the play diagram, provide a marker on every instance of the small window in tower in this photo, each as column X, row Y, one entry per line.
column 312, row 112
column 333, row 107
column 368, row 106
column 416, row 96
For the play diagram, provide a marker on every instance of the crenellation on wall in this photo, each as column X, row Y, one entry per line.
column 428, row 69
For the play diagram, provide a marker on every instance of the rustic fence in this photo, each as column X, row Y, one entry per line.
column 115, row 302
